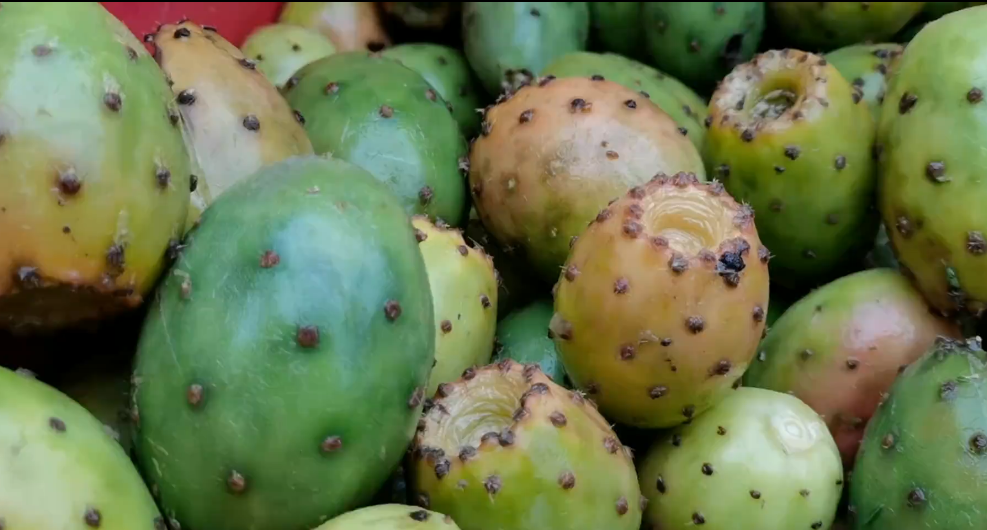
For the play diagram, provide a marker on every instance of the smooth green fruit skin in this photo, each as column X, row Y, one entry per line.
column 417, row 151
column 616, row 27
column 448, row 72
column 921, row 464
column 271, row 400
column 824, row 26
column 523, row 337
column 938, row 228
column 57, row 463
column 764, row 449
column 390, row 517
column 503, row 37
column 700, row 42
column 280, row 50
column 868, row 66
column 671, row 95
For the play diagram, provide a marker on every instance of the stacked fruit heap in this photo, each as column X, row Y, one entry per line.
column 313, row 283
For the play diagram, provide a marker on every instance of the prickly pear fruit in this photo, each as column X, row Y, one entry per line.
column 508, row 43
column 840, row 348
column 464, row 295
column 616, row 27
column 824, row 26
column 385, row 118
column 671, row 95
column 867, row 67
column 390, row 517
column 554, row 153
column 522, row 336
column 94, row 179
column 791, row 137
column 504, row 447
column 932, row 186
column 449, row 74
column 760, row 459
column 235, row 119
column 661, row 303
column 350, row 26
column 60, row 469
column 280, row 50
column 700, row 42
column 300, row 410
column 922, row 457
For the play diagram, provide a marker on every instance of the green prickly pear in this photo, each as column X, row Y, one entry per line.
column 922, row 459
column 522, row 336
column 351, row 26
column 505, row 447
column 791, row 137
column 616, row 27
column 60, row 469
column 280, row 50
column 384, row 117
column 508, row 43
column 700, row 42
column 390, row 517
column 931, row 140
column 671, row 95
column 839, row 348
column 661, row 304
column 235, row 119
column 95, row 176
column 824, row 26
column 553, row 154
column 300, row 405
column 867, row 67
column 760, row 459
column 464, row 294
column 449, row 74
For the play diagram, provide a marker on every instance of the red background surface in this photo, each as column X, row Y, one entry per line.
column 233, row 20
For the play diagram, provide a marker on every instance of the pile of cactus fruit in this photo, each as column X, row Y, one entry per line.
column 493, row 266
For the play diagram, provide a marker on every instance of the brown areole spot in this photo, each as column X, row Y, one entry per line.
column 236, row 483
column 307, row 336
column 331, row 444
column 93, row 518
column 194, row 394
column 269, row 259
column 392, row 310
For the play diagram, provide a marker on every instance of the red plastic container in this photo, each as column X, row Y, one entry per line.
column 233, row 20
